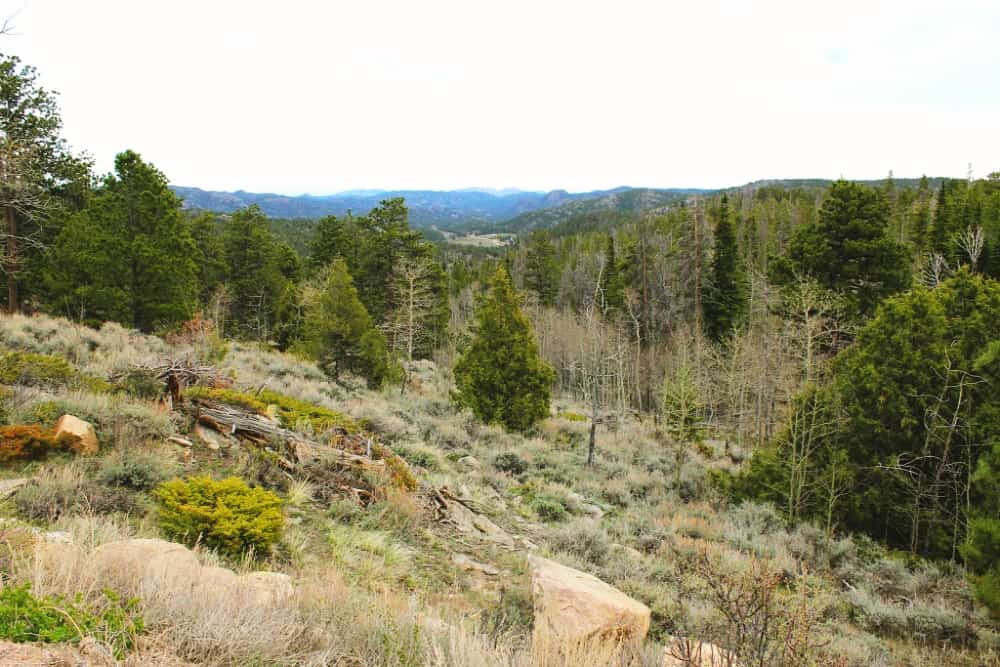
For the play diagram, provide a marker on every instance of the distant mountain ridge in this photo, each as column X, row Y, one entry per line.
column 450, row 208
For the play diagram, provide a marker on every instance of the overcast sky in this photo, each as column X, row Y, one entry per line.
column 318, row 97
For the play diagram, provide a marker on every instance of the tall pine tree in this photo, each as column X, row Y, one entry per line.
column 540, row 275
column 726, row 293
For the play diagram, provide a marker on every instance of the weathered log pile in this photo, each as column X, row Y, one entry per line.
column 266, row 431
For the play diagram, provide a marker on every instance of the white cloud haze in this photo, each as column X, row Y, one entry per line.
column 319, row 97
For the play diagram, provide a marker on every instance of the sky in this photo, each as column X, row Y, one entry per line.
column 319, row 97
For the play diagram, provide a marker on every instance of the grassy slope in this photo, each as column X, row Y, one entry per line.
column 379, row 585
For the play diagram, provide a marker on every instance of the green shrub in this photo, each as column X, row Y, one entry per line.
column 510, row 463
column 44, row 370
column 423, row 458
column 142, row 383
column 52, row 619
column 549, row 508
column 137, row 471
column 50, row 497
column 225, row 515
column 582, row 538
column 515, row 614
column 573, row 416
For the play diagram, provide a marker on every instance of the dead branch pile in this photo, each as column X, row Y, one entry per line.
column 177, row 374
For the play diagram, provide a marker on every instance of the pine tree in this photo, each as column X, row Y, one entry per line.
column 128, row 256
column 39, row 178
column 501, row 375
column 540, row 275
column 257, row 273
column 612, row 281
column 726, row 295
column 339, row 333
column 847, row 250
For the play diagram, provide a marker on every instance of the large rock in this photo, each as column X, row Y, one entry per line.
column 576, row 606
column 140, row 563
column 81, row 429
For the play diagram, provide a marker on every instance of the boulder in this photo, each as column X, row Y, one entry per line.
column 577, row 606
column 142, row 563
column 81, row 429
column 36, row 655
column 682, row 652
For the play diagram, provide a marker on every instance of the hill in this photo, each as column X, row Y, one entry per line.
column 446, row 209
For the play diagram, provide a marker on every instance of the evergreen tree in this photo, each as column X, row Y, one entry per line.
column 128, row 256
column 257, row 273
column 921, row 216
column 612, row 281
column 210, row 253
column 540, row 274
column 339, row 333
column 847, row 250
column 501, row 375
column 726, row 294
column 40, row 180
column 332, row 238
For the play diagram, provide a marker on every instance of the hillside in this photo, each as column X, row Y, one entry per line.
column 427, row 208
column 433, row 571
column 616, row 202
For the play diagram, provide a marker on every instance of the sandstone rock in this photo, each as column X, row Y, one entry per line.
column 209, row 438
column 83, row 430
column 693, row 653
column 470, row 565
column 477, row 525
column 34, row 655
column 144, row 563
column 577, row 606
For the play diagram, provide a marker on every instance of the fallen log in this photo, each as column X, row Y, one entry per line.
column 262, row 430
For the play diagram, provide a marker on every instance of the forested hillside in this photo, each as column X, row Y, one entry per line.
column 766, row 418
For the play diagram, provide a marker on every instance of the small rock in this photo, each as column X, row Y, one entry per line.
column 470, row 462
column 9, row 486
column 81, row 429
column 470, row 565
column 208, row 437
column 178, row 440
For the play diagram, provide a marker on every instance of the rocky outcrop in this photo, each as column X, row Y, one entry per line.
column 576, row 606
column 158, row 565
column 81, row 429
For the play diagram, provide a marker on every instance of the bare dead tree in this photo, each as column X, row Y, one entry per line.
column 972, row 241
